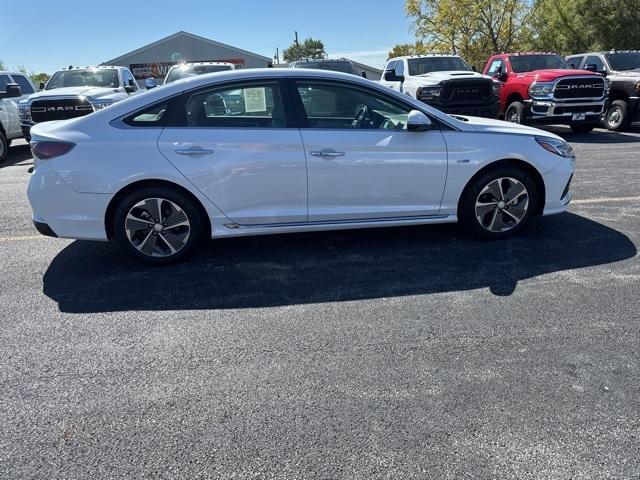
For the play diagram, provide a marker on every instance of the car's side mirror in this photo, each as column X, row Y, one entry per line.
column 42, row 85
column 363, row 74
column 391, row 76
column 131, row 86
column 591, row 67
column 474, row 68
column 150, row 83
column 12, row 91
column 418, row 121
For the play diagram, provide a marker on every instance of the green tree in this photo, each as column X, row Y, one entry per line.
column 473, row 29
column 310, row 48
column 574, row 26
column 1, row 65
column 38, row 78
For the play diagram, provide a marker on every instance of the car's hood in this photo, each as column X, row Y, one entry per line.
column 552, row 74
column 489, row 125
column 627, row 73
column 437, row 77
column 92, row 92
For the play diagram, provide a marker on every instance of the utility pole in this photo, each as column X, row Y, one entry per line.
column 297, row 46
column 277, row 55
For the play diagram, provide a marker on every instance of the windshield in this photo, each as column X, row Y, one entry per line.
column 420, row 66
column 184, row 72
column 107, row 78
column 529, row 63
column 624, row 61
column 344, row 67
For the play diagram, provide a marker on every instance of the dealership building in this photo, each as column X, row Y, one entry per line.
column 155, row 59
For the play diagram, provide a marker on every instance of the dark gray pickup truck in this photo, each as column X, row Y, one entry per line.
column 622, row 70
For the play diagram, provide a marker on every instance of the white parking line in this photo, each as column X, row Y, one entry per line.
column 604, row 200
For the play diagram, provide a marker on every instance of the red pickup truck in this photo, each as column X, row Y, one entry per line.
column 542, row 88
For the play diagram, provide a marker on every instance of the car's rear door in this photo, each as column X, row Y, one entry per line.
column 363, row 164
column 239, row 144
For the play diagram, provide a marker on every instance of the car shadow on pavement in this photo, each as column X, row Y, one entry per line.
column 17, row 154
column 596, row 136
column 327, row 267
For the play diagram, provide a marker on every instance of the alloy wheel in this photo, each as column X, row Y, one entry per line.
column 157, row 227
column 502, row 204
column 513, row 116
column 615, row 116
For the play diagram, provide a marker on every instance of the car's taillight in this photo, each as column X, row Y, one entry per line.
column 49, row 150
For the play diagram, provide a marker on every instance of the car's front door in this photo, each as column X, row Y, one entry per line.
column 363, row 163
column 237, row 144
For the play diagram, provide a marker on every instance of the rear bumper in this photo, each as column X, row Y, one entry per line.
column 63, row 212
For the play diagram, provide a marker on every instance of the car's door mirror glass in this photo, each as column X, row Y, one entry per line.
column 150, row 83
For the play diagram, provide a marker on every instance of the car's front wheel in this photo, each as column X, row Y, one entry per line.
column 157, row 225
column 498, row 203
column 4, row 146
column 516, row 113
column 617, row 118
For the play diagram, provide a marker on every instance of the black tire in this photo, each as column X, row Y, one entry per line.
column 4, row 146
column 618, row 116
column 583, row 127
column 170, row 196
column 516, row 112
column 467, row 205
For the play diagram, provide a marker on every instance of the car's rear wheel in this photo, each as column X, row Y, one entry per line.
column 499, row 203
column 617, row 118
column 4, row 146
column 516, row 113
column 157, row 225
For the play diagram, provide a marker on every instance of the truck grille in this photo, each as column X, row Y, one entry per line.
column 572, row 88
column 466, row 91
column 62, row 109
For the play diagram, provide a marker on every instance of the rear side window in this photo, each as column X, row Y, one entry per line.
column 257, row 105
column 25, row 86
column 154, row 116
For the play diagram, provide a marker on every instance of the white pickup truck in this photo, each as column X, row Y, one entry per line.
column 9, row 118
column 74, row 93
column 445, row 82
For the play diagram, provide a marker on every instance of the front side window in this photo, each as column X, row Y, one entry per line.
column 575, row 62
column 529, row 63
column 246, row 106
column 624, row 60
column 344, row 107
column 25, row 86
column 127, row 78
column 420, row 66
column 597, row 61
column 4, row 81
column 98, row 77
column 497, row 66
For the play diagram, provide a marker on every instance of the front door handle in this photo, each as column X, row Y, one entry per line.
column 194, row 151
column 327, row 153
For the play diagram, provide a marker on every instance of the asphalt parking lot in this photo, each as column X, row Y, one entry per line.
column 391, row 353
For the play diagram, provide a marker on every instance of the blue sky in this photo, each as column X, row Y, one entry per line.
column 49, row 35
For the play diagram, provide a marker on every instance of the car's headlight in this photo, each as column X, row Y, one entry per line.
column 429, row 93
column 496, row 88
column 24, row 111
column 557, row 147
column 100, row 104
column 637, row 87
column 541, row 90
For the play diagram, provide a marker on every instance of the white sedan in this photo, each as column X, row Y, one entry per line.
column 276, row 151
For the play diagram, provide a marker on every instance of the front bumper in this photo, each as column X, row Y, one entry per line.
column 554, row 111
column 557, row 184
column 60, row 210
column 486, row 110
column 634, row 105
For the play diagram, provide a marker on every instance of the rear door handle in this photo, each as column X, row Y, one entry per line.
column 327, row 153
column 194, row 151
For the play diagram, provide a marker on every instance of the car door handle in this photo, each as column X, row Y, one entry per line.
column 326, row 153
column 194, row 151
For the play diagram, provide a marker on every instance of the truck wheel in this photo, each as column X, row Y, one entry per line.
column 617, row 118
column 583, row 127
column 516, row 113
column 498, row 204
column 4, row 146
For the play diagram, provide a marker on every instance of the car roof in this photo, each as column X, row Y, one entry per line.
column 193, row 64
